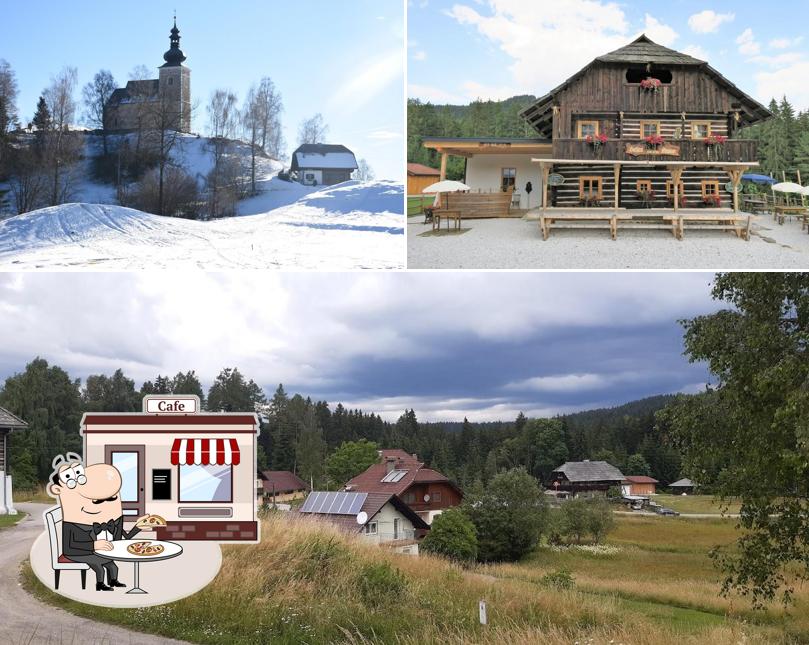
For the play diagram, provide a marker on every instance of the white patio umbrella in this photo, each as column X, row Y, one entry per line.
column 446, row 186
column 788, row 187
column 805, row 191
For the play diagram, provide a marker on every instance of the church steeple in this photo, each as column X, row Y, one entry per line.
column 174, row 56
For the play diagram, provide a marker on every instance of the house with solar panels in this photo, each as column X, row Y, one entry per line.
column 424, row 490
column 379, row 518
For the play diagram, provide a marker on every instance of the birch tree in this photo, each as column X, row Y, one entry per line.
column 95, row 95
column 62, row 147
column 313, row 130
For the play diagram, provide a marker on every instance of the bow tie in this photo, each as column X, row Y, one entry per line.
column 110, row 526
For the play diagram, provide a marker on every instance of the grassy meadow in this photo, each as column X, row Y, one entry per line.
column 696, row 504
column 11, row 520
column 652, row 583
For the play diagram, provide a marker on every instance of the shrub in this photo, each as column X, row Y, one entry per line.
column 600, row 519
column 180, row 193
column 452, row 535
column 580, row 517
column 380, row 582
column 509, row 516
column 561, row 579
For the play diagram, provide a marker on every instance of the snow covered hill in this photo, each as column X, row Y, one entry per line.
column 351, row 225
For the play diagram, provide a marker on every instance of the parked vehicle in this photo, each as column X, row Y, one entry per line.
column 666, row 511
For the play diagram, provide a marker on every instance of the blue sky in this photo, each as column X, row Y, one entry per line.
column 343, row 59
column 460, row 50
column 481, row 345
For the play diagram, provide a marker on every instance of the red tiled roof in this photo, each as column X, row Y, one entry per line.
column 421, row 169
column 284, row 481
column 397, row 453
column 640, row 479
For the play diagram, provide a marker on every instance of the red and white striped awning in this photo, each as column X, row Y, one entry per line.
column 205, row 452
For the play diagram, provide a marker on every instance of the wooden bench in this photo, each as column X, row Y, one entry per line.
column 447, row 214
column 547, row 221
column 739, row 224
column 781, row 211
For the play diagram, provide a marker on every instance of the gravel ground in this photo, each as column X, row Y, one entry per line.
column 517, row 244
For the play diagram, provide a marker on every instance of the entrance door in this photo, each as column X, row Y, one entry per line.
column 129, row 462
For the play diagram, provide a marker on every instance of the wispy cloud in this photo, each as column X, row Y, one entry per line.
column 708, row 21
column 365, row 83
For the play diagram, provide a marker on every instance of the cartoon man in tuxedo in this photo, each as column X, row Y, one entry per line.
column 92, row 515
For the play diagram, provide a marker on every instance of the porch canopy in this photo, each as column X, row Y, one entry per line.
column 466, row 147
column 734, row 169
column 205, row 452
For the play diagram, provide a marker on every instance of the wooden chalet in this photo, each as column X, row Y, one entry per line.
column 642, row 126
column 586, row 478
column 639, row 485
column 8, row 423
column 424, row 490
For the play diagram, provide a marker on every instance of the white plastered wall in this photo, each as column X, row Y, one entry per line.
column 484, row 172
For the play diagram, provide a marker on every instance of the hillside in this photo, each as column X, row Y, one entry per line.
column 307, row 583
column 351, row 225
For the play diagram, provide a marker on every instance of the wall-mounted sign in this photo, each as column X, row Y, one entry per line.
column 729, row 186
column 555, row 180
column 167, row 404
column 641, row 149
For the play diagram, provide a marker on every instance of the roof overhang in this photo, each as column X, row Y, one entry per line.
column 471, row 147
column 648, row 163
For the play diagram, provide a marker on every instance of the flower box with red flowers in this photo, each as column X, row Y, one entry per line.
column 654, row 141
column 714, row 140
column 712, row 200
column 651, row 84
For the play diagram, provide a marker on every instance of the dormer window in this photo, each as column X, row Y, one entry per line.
column 634, row 75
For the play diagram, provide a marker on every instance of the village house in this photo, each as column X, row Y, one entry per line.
column 638, row 127
column 379, row 518
column 682, row 486
column 419, row 177
column 139, row 103
column 424, row 490
column 322, row 164
column 8, row 423
column 586, row 478
column 639, row 485
column 280, row 486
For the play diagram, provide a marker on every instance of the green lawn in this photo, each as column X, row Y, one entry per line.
column 11, row 520
column 695, row 504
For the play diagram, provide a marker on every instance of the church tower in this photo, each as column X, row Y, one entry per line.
column 175, row 81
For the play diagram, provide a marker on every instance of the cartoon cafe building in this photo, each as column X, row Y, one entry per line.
column 195, row 469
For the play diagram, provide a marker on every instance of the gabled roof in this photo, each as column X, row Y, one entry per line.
column 323, row 155
column 135, row 91
column 370, row 480
column 682, row 483
column 421, row 169
column 282, row 481
column 641, row 479
column 374, row 502
column 9, row 421
column 589, row 471
column 643, row 50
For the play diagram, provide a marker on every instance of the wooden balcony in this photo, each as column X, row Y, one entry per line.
column 733, row 150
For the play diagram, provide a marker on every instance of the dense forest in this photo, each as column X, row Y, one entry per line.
column 298, row 434
column 783, row 140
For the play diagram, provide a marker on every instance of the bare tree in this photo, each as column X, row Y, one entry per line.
column 139, row 73
column 178, row 198
column 270, row 107
column 313, row 130
column 62, row 146
column 251, row 127
column 27, row 180
column 223, row 119
column 95, row 96
column 364, row 172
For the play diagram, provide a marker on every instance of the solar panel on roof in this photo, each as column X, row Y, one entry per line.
column 334, row 503
column 394, row 476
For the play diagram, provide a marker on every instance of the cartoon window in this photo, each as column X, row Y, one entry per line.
column 206, row 483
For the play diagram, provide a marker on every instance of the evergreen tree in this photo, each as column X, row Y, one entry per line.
column 231, row 393
column 42, row 123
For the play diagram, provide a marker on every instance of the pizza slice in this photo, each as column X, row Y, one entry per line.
column 145, row 548
column 150, row 521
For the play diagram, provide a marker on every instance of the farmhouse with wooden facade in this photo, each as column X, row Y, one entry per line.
column 642, row 126
column 586, row 478
column 425, row 490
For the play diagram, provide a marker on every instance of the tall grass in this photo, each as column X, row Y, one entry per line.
column 308, row 583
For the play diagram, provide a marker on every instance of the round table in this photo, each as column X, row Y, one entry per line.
column 119, row 552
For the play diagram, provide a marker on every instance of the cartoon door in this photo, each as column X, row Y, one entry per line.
column 129, row 462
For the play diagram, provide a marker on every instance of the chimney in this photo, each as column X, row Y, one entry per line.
column 415, row 457
column 389, row 464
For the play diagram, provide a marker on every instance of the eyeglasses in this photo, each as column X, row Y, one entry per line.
column 72, row 483
column 73, row 476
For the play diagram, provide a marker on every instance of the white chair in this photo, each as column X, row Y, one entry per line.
column 59, row 562
column 515, row 199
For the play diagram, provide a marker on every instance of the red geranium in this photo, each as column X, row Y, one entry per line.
column 651, row 84
column 714, row 140
column 712, row 200
column 654, row 140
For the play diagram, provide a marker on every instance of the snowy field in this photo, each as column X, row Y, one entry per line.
column 352, row 225
column 517, row 244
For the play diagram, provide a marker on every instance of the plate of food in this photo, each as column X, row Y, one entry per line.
column 150, row 521
column 145, row 548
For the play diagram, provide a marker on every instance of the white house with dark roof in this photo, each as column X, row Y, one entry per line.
column 322, row 164
column 8, row 423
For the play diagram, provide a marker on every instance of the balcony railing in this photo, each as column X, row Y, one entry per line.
column 733, row 150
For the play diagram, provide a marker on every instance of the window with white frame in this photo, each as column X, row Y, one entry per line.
column 370, row 528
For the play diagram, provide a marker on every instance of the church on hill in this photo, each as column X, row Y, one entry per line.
column 139, row 102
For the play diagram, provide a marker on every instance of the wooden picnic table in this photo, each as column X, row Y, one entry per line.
column 447, row 214
column 756, row 204
column 781, row 211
